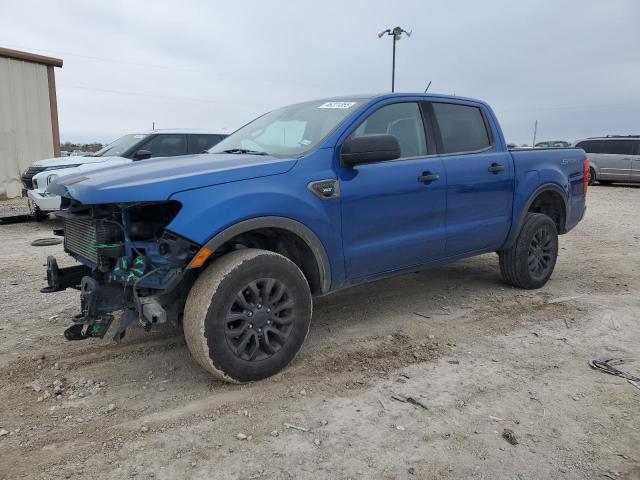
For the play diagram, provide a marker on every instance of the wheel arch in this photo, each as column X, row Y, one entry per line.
column 313, row 262
column 549, row 199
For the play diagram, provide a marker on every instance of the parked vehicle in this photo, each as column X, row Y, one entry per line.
column 614, row 158
column 553, row 144
column 303, row 201
column 127, row 149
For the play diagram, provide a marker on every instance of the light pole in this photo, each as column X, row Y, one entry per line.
column 397, row 35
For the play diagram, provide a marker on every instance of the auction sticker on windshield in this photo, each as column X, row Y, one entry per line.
column 337, row 105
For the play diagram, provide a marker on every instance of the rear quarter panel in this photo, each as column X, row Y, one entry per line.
column 555, row 168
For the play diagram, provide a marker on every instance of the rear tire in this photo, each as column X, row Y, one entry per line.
column 531, row 259
column 247, row 315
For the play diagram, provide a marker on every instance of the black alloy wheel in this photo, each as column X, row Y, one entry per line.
column 540, row 253
column 247, row 315
column 530, row 260
column 259, row 320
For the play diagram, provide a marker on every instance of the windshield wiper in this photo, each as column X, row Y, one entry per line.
column 244, row 151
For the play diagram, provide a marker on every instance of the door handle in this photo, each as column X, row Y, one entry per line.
column 427, row 177
column 496, row 167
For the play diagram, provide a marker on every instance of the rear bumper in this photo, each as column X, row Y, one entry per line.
column 44, row 201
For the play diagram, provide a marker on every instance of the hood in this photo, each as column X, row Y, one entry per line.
column 61, row 161
column 157, row 179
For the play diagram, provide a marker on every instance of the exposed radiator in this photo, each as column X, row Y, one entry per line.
column 85, row 237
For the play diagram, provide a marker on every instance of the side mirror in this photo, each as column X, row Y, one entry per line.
column 369, row 149
column 142, row 155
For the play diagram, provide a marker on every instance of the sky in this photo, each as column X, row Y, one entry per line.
column 572, row 65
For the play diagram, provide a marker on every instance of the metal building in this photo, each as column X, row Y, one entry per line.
column 28, row 115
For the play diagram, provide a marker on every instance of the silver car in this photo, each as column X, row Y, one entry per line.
column 614, row 158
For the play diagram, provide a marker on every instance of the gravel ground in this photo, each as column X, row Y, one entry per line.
column 475, row 357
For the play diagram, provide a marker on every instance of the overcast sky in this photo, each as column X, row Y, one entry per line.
column 574, row 65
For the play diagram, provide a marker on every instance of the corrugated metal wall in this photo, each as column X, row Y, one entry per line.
column 25, row 121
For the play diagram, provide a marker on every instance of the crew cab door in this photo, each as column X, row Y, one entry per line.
column 479, row 178
column 393, row 212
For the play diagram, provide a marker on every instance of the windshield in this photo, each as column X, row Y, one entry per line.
column 120, row 146
column 289, row 131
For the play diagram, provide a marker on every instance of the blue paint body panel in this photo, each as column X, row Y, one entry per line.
column 384, row 220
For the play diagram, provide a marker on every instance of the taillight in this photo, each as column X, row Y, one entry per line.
column 585, row 176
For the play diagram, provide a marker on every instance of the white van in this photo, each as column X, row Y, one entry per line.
column 614, row 158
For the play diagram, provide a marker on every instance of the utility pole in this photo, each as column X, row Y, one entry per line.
column 535, row 132
column 397, row 35
column 153, row 125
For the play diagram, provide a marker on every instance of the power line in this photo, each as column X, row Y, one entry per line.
column 247, row 77
column 140, row 94
column 574, row 107
column 171, row 67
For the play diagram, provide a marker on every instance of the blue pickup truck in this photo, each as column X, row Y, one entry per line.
column 305, row 200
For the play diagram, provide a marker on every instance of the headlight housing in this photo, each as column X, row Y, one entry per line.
column 51, row 178
column 58, row 167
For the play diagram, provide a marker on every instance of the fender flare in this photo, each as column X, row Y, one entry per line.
column 284, row 223
column 543, row 188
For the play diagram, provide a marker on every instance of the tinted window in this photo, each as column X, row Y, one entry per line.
column 404, row 121
column 166, row 145
column 590, row 146
column 619, row 147
column 201, row 143
column 462, row 128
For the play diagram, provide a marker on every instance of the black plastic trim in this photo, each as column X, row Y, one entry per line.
column 547, row 187
column 284, row 223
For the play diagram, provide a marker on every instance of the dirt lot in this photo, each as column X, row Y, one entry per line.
column 477, row 357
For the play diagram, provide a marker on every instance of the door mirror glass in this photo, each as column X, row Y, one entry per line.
column 369, row 148
column 142, row 155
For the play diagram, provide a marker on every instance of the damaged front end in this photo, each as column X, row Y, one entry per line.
column 129, row 262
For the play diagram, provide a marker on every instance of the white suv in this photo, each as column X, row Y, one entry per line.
column 127, row 149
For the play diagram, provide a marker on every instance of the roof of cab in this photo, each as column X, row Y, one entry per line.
column 184, row 131
column 372, row 96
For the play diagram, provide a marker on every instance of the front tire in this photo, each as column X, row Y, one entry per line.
column 247, row 315
column 592, row 176
column 40, row 215
column 531, row 259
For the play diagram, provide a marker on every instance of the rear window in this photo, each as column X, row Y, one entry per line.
column 619, row 147
column 202, row 142
column 462, row 128
column 590, row 146
column 166, row 145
